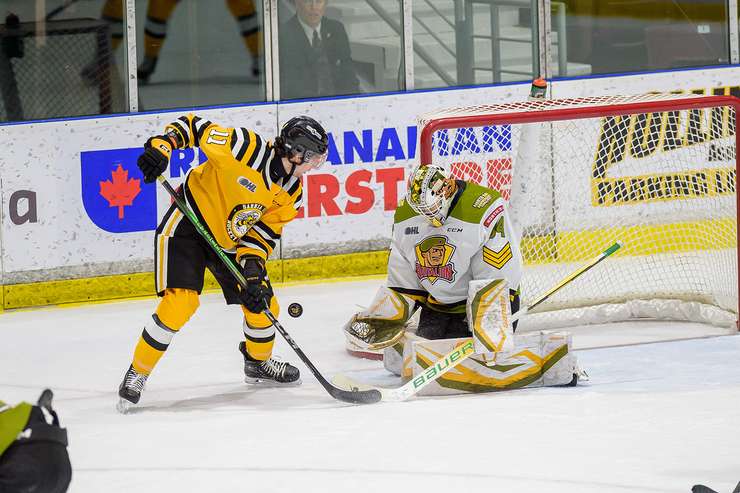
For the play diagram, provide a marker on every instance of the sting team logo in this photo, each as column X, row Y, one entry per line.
column 433, row 256
column 242, row 218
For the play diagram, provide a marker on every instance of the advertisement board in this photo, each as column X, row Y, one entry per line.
column 74, row 204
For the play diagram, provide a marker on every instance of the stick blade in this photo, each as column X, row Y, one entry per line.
column 386, row 394
column 700, row 488
column 356, row 396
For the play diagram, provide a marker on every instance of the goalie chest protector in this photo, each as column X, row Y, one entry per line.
column 475, row 242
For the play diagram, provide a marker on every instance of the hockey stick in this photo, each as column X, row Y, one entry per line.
column 461, row 353
column 352, row 396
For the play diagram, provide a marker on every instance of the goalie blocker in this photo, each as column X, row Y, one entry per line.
column 501, row 361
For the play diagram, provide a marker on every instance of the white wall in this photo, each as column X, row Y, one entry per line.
column 56, row 224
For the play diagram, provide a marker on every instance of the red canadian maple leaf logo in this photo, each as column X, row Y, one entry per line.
column 120, row 191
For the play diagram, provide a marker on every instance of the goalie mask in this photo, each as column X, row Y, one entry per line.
column 429, row 193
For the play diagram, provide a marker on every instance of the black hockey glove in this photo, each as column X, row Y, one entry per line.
column 258, row 294
column 153, row 162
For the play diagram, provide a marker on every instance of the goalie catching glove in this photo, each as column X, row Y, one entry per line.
column 381, row 324
column 258, row 294
column 153, row 161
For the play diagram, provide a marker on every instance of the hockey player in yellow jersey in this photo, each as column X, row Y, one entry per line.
column 155, row 31
column 244, row 193
column 158, row 13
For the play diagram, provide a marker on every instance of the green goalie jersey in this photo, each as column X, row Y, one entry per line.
column 434, row 265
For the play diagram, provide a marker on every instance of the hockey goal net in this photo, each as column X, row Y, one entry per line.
column 656, row 172
column 55, row 69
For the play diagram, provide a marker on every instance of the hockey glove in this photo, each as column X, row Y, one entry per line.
column 153, row 161
column 258, row 294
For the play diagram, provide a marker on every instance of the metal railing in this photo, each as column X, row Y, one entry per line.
column 464, row 51
column 418, row 49
column 467, row 55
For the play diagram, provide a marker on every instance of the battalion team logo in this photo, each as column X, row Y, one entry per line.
column 433, row 256
column 241, row 220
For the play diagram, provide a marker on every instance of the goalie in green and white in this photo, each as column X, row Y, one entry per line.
column 455, row 259
column 446, row 233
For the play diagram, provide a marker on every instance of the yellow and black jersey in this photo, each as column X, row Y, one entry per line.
column 233, row 190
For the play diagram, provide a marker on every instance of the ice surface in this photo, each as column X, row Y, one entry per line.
column 655, row 417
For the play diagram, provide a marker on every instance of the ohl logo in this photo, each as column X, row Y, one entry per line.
column 433, row 256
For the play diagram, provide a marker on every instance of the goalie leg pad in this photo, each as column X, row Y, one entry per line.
column 538, row 359
column 393, row 357
column 489, row 315
column 397, row 358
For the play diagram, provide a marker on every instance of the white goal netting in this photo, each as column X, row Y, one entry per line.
column 656, row 171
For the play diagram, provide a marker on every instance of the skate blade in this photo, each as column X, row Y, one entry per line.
column 124, row 407
column 267, row 383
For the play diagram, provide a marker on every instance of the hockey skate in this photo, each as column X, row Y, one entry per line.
column 130, row 390
column 257, row 67
column 146, row 69
column 89, row 74
column 268, row 372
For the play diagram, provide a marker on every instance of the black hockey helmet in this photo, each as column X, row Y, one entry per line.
column 303, row 136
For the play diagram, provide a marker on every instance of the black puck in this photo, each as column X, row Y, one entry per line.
column 295, row 310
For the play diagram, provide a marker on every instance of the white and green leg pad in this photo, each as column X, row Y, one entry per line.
column 537, row 359
column 489, row 316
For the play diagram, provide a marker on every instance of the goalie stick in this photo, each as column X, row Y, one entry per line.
column 461, row 353
column 352, row 396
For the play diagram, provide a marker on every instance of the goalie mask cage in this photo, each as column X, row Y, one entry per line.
column 655, row 171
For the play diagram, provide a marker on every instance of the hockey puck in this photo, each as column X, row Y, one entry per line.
column 295, row 310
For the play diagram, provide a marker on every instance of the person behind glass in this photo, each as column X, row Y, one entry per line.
column 315, row 58
column 158, row 13
column 155, row 31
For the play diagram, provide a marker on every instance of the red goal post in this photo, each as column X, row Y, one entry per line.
column 657, row 171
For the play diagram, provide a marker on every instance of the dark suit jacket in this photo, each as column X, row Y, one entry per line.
column 299, row 76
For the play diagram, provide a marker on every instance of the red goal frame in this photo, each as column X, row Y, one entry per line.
column 512, row 114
